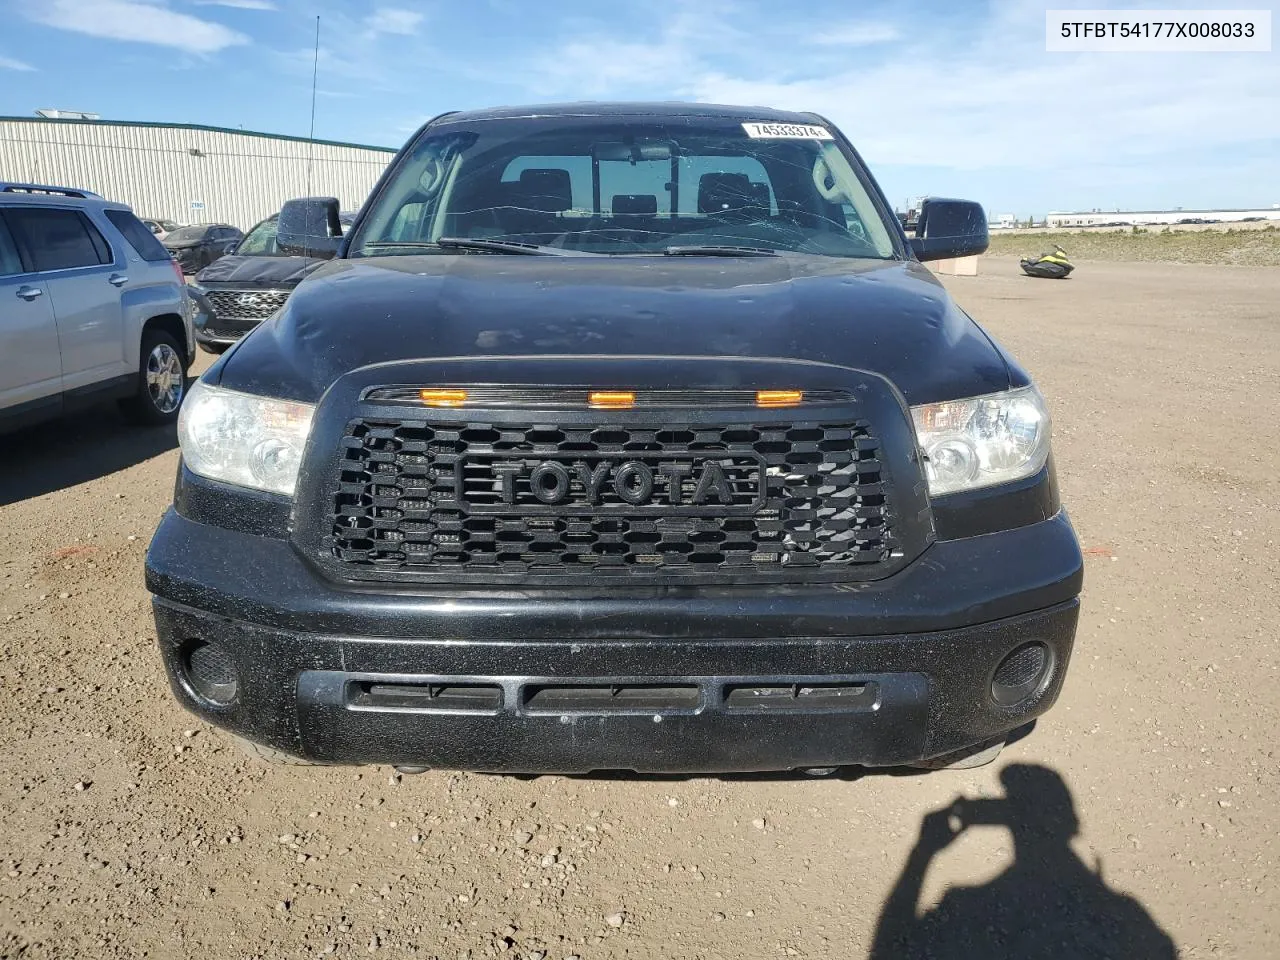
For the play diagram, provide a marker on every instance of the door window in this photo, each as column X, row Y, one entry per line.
column 59, row 239
column 140, row 238
column 10, row 262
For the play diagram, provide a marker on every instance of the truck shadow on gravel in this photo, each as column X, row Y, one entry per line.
column 64, row 453
column 1048, row 903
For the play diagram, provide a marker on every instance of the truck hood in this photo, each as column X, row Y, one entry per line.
column 259, row 271
column 888, row 317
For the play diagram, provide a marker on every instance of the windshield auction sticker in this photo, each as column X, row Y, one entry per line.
column 786, row 131
column 1160, row 31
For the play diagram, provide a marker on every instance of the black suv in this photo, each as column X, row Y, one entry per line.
column 240, row 290
column 619, row 436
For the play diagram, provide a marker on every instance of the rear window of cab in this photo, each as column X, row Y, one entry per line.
column 632, row 185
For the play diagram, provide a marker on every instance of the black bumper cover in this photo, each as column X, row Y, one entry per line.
column 879, row 674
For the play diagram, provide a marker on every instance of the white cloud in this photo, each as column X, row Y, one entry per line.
column 393, row 20
column 595, row 61
column 362, row 48
column 238, row 4
column 137, row 22
column 593, row 68
column 857, row 34
column 8, row 63
column 971, row 112
column 957, row 93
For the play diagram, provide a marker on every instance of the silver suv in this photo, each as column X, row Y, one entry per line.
column 92, row 307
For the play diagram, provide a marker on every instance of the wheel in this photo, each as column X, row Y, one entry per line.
column 966, row 759
column 271, row 755
column 217, row 349
column 162, row 381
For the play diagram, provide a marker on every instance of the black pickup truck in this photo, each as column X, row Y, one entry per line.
column 628, row 436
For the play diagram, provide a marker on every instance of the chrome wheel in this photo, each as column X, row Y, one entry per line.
column 164, row 378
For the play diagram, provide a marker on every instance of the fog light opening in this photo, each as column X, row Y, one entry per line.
column 210, row 672
column 1021, row 674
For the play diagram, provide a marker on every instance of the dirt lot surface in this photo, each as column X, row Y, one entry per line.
column 1244, row 245
column 127, row 829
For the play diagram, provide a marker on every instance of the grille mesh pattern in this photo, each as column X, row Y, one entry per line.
column 246, row 304
column 1023, row 666
column 419, row 498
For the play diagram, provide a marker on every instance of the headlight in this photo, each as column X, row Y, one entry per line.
column 982, row 441
column 243, row 439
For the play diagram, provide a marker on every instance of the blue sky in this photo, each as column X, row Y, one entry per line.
column 941, row 98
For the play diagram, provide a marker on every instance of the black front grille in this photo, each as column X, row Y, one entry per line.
column 419, row 498
column 245, row 304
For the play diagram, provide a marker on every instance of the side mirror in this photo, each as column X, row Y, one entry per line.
column 309, row 227
column 950, row 228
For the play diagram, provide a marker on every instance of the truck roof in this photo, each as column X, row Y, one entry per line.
column 633, row 109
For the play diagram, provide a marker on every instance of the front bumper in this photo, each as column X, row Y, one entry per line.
column 190, row 261
column 213, row 330
column 670, row 680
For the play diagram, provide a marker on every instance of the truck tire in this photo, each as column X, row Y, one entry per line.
column 966, row 759
column 270, row 755
column 162, row 381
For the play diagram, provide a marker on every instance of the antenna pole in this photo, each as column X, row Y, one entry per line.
column 311, row 137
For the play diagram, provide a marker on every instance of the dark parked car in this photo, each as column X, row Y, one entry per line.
column 249, row 284
column 619, row 436
column 198, row 246
column 160, row 227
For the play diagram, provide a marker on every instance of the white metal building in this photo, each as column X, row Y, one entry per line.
column 186, row 172
column 1157, row 217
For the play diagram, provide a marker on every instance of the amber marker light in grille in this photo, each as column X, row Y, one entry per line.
column 779, row 398
column 611, row 399
column 443, row 398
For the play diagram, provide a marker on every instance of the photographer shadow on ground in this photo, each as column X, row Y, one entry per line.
column 1046, row 904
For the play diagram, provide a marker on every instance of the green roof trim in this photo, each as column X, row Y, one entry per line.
column 197, row 126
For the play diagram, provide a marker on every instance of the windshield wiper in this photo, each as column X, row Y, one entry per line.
column 504, row 246
column 479, row 243
column 718, row 250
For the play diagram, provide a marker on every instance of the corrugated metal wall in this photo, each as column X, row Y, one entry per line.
column 238, row 177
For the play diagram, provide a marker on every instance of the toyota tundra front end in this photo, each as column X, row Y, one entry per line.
column 620, row 437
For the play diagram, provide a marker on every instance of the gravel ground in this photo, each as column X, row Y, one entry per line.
column 131, row 830
column 1244, row 245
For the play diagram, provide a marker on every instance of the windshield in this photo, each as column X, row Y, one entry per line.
column 186, row 234
column 261, row 241
column 632, row 186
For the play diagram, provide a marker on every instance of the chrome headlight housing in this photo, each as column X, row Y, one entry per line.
column 982, row 441
column 244, row 439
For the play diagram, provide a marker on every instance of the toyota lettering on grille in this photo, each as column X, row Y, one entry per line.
column 631, row 484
